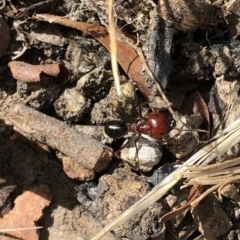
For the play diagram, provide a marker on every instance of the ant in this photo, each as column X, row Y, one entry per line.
column 155, row 124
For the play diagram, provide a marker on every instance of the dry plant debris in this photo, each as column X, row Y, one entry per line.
column 126, row 56
column 218, row 144
column 74, row 36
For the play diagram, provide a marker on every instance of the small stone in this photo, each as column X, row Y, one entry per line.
column 75, row 171
column 148, row 154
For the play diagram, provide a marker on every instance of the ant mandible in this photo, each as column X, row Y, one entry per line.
column 155, row 124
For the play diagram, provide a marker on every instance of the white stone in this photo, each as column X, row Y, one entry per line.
column 149, row 153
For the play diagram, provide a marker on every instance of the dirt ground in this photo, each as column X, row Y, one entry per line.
column 58, row 170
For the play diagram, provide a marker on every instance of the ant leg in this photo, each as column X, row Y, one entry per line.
column 116, row 154
column 135, row 143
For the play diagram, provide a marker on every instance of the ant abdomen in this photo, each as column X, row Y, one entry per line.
column 116, row 129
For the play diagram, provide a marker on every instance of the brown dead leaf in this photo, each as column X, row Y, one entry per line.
column 126, row 56
column 195, row 103
column 27, row 210
column 33, row 73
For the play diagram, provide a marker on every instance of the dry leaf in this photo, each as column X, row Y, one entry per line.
column 126, row 56
column 195, row 103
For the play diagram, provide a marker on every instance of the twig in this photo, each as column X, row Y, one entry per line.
column 82, row 149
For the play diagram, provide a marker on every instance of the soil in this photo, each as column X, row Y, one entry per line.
column 57, row 165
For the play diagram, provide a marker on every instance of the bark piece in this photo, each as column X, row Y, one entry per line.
column 188, row 15
column 158, row 48
column 184, row 134
column 210, row 218
column 232, row 13
column 33, row 73
column 82, row 149
column 27, row 210
column 49, row 35
column 232, row 192
column 195, row 103
column 7, row 188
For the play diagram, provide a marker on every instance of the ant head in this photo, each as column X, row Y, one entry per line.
column 116, row 129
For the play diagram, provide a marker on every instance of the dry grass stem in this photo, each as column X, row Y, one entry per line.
column 219, row 173
column 113, row 47
column 218, row 187
column 210, row 190
column 212, row 168
column 17, row 229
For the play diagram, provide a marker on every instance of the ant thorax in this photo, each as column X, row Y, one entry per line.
column 143, row 128
column 154, row 124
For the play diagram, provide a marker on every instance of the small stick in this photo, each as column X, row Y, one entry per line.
column 81, row 148
column 195, row 192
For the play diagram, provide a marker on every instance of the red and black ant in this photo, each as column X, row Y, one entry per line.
column 155, row 124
